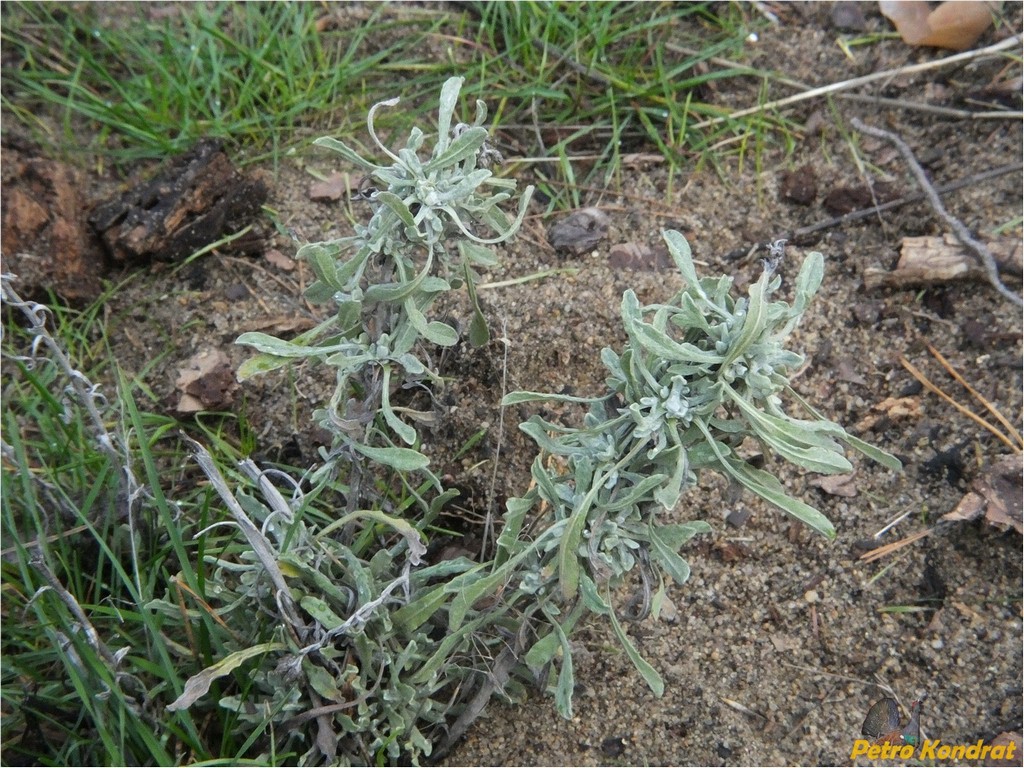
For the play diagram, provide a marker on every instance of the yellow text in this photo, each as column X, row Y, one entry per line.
column 881, row 751
column 934, row 749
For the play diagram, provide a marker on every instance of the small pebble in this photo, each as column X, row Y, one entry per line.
column 811, row 596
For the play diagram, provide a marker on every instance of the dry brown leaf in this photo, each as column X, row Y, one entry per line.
column 847, row 371
column 953, row 25
column 836, row 485
column 893, row 409
column 669, row 613
column 996, row 494
column 199, row 684
column 279, row 260
column 206, row 382
column 330, row 189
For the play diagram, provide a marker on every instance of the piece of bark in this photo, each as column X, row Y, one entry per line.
column 46, row 240
column 198, row 199
column 931, row 260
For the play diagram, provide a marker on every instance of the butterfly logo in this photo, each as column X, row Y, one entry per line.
column 883, row 723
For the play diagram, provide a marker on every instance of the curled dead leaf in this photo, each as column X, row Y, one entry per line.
column 206, row 382
column 996, row 495
column 953, row 25
column 330, row 189
column 279, row 260
column 199, row 684
column 836, row 485
column 847, row 371
column 891, row 409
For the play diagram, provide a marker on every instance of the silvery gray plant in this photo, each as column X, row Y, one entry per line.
column 384, row 278
column 698, row 375
column 347, row 619
column 368, row 652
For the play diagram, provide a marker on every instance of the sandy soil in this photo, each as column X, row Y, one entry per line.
column 781, row 640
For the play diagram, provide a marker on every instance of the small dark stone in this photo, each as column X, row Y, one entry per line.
column 911, row 388
column 848, row 16
column 724, row 751
column 613, row 746
column 948, row 464
column 799, row 186
column 842, row 200
column 867, row 312
column 860, row 546
column 738, row 517
column 579, row 232
column 236, row 292
column 976, row 332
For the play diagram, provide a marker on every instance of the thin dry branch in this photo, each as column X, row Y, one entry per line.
column 1010, row 43
column 863, row 213
column 808, row 91
column 962, row 233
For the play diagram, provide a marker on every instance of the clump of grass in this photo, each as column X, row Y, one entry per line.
column 62, row 571
column 577, row 85
column 252, row 74
column 93, row 544
column 604, row 79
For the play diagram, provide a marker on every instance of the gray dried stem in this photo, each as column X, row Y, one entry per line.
column 988, row 261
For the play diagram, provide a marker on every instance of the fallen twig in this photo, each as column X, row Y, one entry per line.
column 864, row 213
column 808, row 91
column 930, row 259
column 1009, row 43
column 965, row 237
column 796, row 235
column 496, row 679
